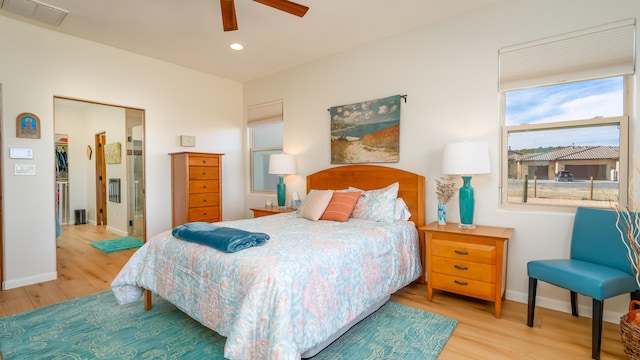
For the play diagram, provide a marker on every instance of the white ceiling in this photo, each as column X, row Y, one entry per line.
column 189, row 32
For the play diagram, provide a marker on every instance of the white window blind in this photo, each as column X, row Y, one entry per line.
column 603, row 51
column 264, row 114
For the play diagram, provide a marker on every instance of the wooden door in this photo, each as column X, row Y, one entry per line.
column 101, row 181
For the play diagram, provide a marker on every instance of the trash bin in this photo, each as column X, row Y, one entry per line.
column 81, row 216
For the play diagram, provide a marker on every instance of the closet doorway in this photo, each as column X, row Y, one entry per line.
column 105, row 165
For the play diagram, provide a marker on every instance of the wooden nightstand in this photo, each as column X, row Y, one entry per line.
column 470, row 262
column 266, row 211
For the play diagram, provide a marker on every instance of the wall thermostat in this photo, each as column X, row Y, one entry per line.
column 20, row 153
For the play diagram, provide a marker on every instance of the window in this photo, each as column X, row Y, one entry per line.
column 565, row 118
column 265, row 126
column 564, row 143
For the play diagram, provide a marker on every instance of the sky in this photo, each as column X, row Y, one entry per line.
column 564, row 102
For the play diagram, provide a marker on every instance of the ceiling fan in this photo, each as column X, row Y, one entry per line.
column 230, row 23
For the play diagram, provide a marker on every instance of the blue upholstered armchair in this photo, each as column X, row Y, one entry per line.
column 598, row 267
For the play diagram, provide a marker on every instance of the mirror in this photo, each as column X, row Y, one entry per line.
column 99, row 168
column 135, row 171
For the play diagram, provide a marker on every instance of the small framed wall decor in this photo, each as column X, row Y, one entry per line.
column 187, row 140
column 28, row 126
column 112, row 153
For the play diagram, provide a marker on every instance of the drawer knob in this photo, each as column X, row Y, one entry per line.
column 459, row 267
column 204, row 161
column 461, row 252
column 204, row 173
column 204, row 200
column 204, row 186
column 461, row 282
column 205, row 213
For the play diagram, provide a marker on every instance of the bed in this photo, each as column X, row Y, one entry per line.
column 306, row 286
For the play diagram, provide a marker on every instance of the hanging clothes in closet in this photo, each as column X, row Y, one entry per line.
column 62, row 164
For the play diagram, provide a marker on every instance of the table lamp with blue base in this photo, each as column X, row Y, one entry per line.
column 282, row 164
column 466, row 159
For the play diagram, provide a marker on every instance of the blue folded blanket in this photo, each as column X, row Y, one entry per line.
column 219, row 237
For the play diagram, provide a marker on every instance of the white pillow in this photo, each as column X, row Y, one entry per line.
column 402, row 210
column 317, row 203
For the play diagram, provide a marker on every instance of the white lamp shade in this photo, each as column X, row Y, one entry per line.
column 282, row 164
column 466, row 158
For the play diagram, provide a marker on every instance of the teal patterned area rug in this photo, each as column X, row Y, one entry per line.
column 113, row 245
column 96, row 327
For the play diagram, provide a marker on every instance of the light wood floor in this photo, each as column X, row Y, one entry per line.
column 84, row 270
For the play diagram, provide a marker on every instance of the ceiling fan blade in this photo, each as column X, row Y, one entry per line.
column 229, row 21
column 287, row 6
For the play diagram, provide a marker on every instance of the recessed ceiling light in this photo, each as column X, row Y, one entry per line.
column 236, row 46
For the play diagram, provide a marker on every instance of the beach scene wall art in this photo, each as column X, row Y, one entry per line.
column 366, row 132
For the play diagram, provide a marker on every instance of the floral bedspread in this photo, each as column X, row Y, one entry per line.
column 280, row 299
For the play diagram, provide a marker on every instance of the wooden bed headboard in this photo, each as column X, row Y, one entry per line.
column 369, row 177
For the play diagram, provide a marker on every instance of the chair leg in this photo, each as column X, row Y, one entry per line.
column 596, row 328
column 533, row 284
column 574, row 303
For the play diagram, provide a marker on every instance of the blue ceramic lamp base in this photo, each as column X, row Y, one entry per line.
column 282, row 191
column 467, row 204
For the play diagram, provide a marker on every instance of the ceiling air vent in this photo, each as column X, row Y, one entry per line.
column 35, row 10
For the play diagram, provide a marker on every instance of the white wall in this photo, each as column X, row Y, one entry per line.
column 38, row 64
column 449, row 71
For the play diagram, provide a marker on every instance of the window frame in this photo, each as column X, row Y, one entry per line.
column 622, row 121
column 259, row 115
column 252, row 151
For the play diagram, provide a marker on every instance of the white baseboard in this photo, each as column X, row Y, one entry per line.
column 562, row 306
column 117, row 231
column 12, row 284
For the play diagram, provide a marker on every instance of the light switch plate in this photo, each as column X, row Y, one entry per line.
column 187, row 140
column 25, row 169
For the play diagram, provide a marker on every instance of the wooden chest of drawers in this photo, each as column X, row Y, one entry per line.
column 469, row 262
column 196, row 180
